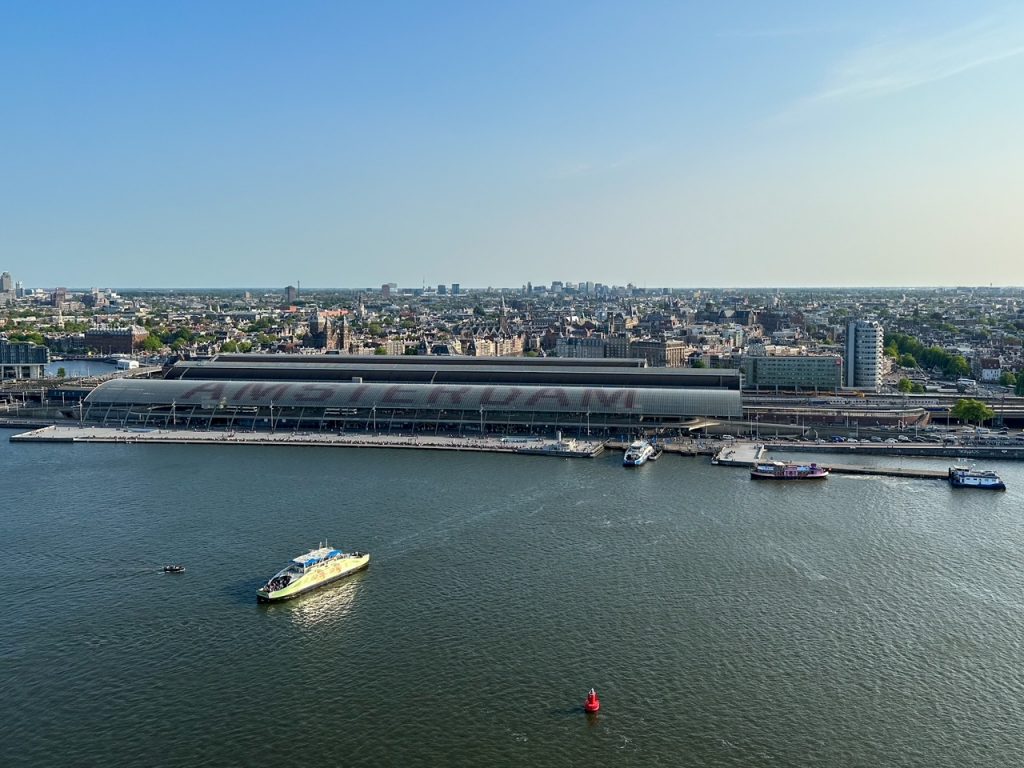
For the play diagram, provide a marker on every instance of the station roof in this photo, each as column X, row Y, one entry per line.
column 435, row 360
column 425, row 370
column 318, row 394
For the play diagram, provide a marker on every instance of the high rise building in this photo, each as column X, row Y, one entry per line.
column 291, row 293
column 22, row 360
column 864, row 344
column 7, row 291
column 456, row 289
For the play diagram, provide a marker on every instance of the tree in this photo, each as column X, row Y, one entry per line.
column 61, row 372
column 1007, row 379
column 152, row 343
column 380, row 351
column 699, row 364
column 1019, row 389
column 905, row 385
column 907, row 361
column 972, row 411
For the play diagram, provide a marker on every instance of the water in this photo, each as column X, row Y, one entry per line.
column 74, row 368
column 724, row 622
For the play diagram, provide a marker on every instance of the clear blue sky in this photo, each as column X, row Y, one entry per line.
column 339, row 144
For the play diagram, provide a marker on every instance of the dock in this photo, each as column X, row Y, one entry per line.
column 922, row 474
column 137, row 436
column 744, row 454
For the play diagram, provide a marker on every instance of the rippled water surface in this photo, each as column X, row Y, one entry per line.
column 724, row 622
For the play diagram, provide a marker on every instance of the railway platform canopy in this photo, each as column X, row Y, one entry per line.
column 402, row 407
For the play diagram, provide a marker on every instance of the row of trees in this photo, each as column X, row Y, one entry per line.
column 911, row 353
column 971, row 411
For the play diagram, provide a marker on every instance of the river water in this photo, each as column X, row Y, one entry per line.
column 724, row 622
column 74, row 368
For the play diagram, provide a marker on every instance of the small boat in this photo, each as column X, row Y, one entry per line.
column 787, row 470
column 174, row 569
column 592, row 704
column 638, row 453
column 310, row 571
column 964, row 477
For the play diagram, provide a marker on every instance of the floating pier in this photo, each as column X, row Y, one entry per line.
column 746, row 454
column 132, row 436
column 924, row 474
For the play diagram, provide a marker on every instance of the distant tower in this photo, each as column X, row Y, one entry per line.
column 385, row 291
column 6, row 283
column 456, row 289
column 344, row 335
column 291, row 293
column 503, row 318
column 864, row 344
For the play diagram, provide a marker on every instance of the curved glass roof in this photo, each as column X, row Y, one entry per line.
column 331, row 394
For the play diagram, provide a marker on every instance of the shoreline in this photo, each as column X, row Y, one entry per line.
column 127, row 436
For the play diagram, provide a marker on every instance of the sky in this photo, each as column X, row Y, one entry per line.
column 665, row 144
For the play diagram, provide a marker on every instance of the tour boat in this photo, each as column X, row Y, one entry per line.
column 787, row 470
column 312, row 570
column 639, row 451
column 964, row 477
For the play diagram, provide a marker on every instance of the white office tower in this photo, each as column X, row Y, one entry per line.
column 864, row 344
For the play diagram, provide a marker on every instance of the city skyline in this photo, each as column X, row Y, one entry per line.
column 661, row 145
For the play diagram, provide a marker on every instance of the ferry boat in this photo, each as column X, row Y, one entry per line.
column 309, row 571
column 964, row 477
column 638, row 453
column 787, row 470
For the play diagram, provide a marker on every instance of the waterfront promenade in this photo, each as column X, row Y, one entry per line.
column 91, row 434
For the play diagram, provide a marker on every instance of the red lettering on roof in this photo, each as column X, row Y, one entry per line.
column 394, row 395
column 487, row 398
column 548, row 393
column 214, row 388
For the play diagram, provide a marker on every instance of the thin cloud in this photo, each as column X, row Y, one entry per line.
column 767, row 33
column 895, row 64
column 762, row 34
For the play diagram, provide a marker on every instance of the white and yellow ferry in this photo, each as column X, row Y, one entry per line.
column 312, row 570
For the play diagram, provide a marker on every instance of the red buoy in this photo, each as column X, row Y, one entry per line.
column 592, row 704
